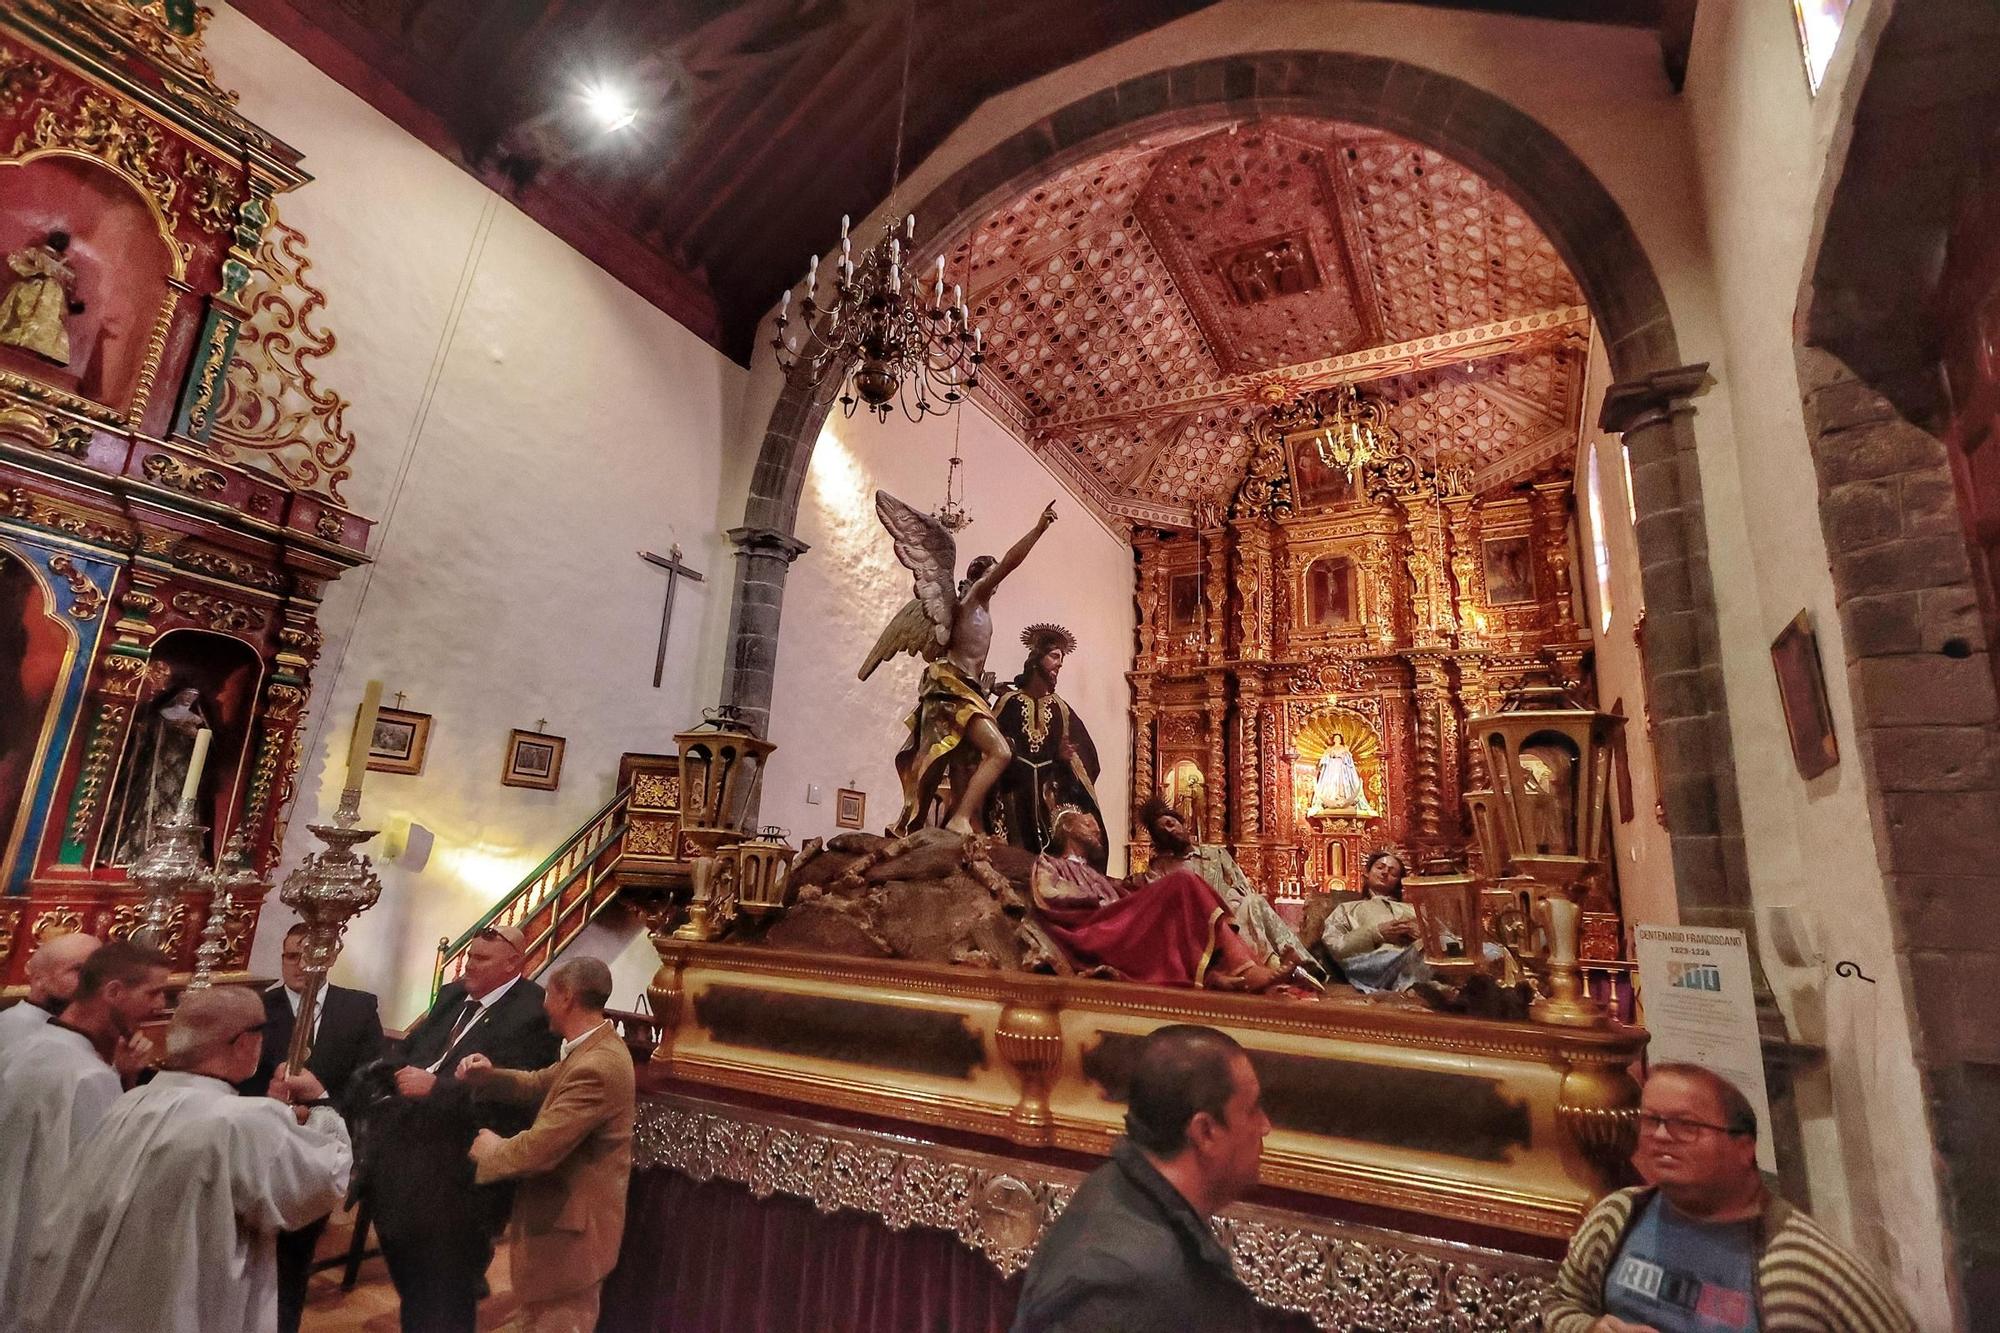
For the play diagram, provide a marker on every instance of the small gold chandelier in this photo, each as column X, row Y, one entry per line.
column 893, row 341
column 1348, row 433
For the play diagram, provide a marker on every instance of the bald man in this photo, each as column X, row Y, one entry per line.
column 52, row 974
column 170, row 1219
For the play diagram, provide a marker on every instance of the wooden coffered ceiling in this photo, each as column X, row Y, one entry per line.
column 762, row 120
column 1141, row 307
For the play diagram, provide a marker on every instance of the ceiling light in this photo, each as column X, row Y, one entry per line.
column 611, row 107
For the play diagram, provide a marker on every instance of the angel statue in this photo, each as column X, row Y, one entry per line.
column 952, row 727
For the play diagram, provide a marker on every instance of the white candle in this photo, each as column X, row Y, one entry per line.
column 843, row 229
column 812, row 275
column 1562, row 919
column 910, row 226
column 364, row 732
column 784, row 306
column 196, row 762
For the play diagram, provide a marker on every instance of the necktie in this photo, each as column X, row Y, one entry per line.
column 458, row 1027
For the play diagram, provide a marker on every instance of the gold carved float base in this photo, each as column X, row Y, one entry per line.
column 1514, row 1127
column 1340, row 1275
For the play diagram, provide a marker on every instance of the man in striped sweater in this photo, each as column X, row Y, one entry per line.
column 1703, row 1245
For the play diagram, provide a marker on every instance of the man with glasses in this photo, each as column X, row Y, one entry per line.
column 437, row 1227
column 169, row 1216
column 347, row 1037
column 1703, row 1245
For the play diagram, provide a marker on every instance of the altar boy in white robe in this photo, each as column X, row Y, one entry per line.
column 57, row 1085
column 172, row 1211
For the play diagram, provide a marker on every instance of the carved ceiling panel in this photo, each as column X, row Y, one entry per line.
column 1138, row 304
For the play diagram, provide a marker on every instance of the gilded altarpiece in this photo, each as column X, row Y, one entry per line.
column 1308, row 656
column 170, row 512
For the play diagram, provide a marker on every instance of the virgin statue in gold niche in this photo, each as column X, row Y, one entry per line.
column 1337, row 785
column 33, row 314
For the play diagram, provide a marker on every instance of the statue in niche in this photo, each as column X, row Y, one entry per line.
column 34, row 313
column 1337, row 786
column 1055, row 761
column 162, row 749
column 952, row 726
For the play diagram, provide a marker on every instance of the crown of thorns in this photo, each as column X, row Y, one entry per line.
column 1039, row 637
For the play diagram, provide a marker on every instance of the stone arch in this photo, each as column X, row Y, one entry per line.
column 1648, row 404
column 1920, row 648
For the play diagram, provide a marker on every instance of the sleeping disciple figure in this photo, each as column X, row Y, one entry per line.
column 1174, row 931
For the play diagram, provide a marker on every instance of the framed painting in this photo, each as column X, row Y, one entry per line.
column 1510, row 570
column 850, row 808
column 533, row 760
column 1329, row 599
column 399, row 742
column 1184, row 602
column 1316, row 483
column 1802, row 690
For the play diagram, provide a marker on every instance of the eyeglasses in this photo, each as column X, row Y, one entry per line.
column 490, row 935
column 290, row 956
column 1679, row 1129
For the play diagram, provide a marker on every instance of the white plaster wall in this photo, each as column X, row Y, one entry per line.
column 834, row 730
column 1765, row 147
column 526, row 425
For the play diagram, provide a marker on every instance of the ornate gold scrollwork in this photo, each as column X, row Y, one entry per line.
column 22, row 78
column 10, row 925
column 273, row 405
column 85, row 598
column 129, row 917
column 229, row 567
column 103, row 743
column 47, row 431
column 118, row 134
column 220, row 613
column 166, row 470
column 53, row 921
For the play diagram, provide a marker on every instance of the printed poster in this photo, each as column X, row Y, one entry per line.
column 1695, row 984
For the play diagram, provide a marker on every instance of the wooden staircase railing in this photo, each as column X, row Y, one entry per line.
column 557, row 900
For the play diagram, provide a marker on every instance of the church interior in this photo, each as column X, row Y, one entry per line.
column 541, row 467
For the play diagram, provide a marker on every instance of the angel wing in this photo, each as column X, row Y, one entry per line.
column 923, row 626
column 909, row 632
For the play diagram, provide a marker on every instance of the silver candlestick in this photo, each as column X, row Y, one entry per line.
column 234, row 877
column 329, row 889
column 172, row 861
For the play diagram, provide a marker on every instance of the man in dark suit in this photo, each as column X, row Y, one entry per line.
column 437, row 1227
column 347, row 1035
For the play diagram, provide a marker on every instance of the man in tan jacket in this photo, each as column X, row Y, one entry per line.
column 573, row 1163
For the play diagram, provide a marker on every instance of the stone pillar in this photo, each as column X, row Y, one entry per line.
column 763, row 557
column 1682, row 664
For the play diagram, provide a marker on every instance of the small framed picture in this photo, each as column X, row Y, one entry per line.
column 399, row 742
column 850, row 808
column 533, row 760
column 1802, row 690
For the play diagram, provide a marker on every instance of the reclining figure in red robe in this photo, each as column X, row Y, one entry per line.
column 1174, row 931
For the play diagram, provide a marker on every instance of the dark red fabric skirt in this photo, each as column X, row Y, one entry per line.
column 1163, row 933
column 712, row 1258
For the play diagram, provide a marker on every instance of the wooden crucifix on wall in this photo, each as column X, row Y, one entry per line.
column 676, row 571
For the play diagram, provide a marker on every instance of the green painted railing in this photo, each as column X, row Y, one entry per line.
column 557, row 899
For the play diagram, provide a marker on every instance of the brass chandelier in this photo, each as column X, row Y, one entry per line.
column 895, row 338
column 1348, row 432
